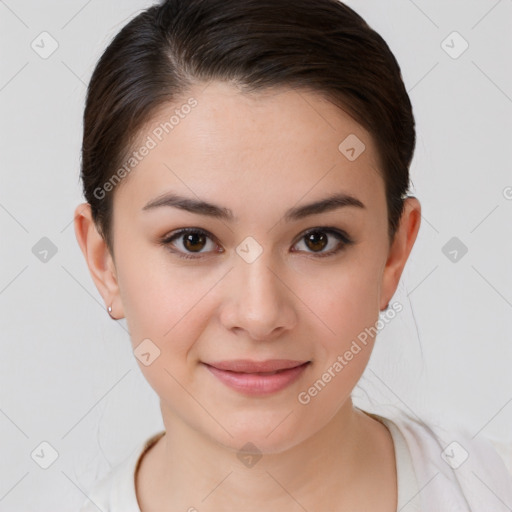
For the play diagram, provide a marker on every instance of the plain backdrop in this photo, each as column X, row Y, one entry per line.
column 68, row 376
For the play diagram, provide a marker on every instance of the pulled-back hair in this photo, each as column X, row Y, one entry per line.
column 321, row 45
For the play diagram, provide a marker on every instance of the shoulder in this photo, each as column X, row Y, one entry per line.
column 505, row 451
column 115, row 492
column 454, row 467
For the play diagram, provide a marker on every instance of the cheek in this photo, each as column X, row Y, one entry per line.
column 349, row 308
column 168, row 307
column 151, row 293
column 347, row 302
column 166, row 303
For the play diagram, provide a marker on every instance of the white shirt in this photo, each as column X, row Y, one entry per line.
column 467, row 475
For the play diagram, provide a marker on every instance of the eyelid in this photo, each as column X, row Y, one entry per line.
column 326, row 229
column 167, row 239
column 344, row 239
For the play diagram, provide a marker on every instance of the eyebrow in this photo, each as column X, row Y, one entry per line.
column 199, row 207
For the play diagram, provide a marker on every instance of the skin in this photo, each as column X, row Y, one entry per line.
column 257, row 154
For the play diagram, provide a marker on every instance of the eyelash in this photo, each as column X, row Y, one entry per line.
column 340, row 235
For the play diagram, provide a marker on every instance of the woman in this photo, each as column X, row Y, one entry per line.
column 246, row 168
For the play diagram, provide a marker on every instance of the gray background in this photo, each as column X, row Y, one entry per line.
column 68, row 376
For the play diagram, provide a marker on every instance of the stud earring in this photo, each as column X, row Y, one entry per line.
column 109, row 309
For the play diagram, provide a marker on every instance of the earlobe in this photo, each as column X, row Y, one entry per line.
column 400, row 249
column 98, row 258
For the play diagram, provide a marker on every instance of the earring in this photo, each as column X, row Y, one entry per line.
column 109, row 309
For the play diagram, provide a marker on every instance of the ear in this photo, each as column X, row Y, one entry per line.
column 400, row 249
column 98, row 258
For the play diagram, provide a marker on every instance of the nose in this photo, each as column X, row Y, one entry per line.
column 258, row 301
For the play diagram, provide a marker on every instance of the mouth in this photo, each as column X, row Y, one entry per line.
column 268, row 367
column 257, row 377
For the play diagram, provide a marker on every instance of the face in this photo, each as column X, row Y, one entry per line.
column 257, row 276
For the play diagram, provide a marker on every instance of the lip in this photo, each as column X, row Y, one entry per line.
column 250, row 366
column 248, row 377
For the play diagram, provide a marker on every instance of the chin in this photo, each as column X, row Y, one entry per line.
column 271, row 436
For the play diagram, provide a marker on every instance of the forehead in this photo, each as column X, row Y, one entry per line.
column 281, row 144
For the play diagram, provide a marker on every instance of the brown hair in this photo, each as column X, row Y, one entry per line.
column 320, row 45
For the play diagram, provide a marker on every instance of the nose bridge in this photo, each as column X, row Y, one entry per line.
column 260, row 281
column 260, row 303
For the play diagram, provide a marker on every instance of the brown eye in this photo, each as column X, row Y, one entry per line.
column 194, row 241
column 316, row 240
column 187, row 242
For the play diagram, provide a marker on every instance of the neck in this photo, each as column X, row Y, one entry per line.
column 192, row 471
